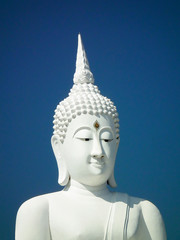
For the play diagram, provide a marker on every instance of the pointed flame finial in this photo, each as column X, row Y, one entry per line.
column 83, row 73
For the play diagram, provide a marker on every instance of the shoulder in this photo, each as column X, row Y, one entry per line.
column 151, row 220
column 32, row 221
column 38, row 204
column 149, row 209
column 151, row 214
column 34, row 205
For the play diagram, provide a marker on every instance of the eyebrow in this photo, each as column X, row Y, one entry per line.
column 81, row 128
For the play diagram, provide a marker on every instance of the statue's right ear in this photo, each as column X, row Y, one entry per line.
column 56, row 145
column 57, row 149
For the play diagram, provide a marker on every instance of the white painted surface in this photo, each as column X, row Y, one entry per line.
column 85, row 155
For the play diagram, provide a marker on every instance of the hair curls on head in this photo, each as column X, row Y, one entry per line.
column 84, row 98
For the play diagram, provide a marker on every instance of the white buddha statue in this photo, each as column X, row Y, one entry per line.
column 85, row 142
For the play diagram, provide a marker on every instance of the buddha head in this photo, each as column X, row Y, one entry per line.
column 86, row 130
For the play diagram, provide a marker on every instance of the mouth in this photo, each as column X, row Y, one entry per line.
column 96, row 163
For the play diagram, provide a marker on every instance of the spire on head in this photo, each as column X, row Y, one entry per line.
column 83, row 73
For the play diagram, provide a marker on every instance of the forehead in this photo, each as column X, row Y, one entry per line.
column 87, row 120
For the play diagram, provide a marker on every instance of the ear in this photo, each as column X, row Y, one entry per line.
column 111, row 181
column 57, row 145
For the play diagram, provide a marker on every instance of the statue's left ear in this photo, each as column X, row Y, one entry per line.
column 111, row 181
column 63, row 172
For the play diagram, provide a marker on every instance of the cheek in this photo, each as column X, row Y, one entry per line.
column 109, row 150
column 81, row 149
column 86, row 145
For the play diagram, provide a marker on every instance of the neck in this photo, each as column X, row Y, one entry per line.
column 87, row 187
column 79, row 188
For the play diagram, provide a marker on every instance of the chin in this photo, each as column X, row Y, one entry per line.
column 96, row 180
column 97, row 170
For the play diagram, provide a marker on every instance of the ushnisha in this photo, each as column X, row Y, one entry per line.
column 85, row 142
column 84, row 98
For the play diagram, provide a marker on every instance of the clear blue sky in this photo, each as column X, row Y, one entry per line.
column 134, row 52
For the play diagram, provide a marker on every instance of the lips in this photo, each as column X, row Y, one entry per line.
column 97, row 163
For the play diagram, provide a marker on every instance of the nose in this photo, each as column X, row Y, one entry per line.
column 97, row 151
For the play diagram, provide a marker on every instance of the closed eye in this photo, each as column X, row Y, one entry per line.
column 85, row 139
column 107, row 140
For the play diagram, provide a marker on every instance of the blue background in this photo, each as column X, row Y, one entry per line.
column 134, row 52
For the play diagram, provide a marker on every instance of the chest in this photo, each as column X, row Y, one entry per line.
column 82, row 218
column 90, row 219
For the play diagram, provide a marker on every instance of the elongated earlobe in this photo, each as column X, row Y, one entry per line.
column 111, row 181
column 63, row 178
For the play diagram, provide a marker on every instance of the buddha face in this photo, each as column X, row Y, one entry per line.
column 89, row 149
